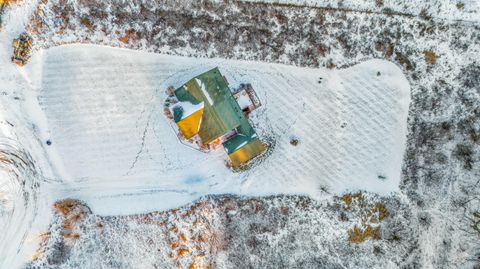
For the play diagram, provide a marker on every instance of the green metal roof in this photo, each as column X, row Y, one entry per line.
column 184, row 96
column 221, row 115
column 221, row 111
column 245, row 135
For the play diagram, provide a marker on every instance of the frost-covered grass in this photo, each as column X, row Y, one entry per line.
column 462, row 10
column 230, row 232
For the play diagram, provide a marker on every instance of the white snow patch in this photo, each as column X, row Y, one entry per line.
column 204, row 91
column 188, row 108
column 244, row 101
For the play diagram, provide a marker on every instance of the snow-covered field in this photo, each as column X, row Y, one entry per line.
column 110, row 138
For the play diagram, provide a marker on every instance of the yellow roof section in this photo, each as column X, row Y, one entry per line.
column 246, row 153
column 190, row 125
column 6, row 1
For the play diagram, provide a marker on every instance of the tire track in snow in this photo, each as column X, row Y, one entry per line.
column 20, row 181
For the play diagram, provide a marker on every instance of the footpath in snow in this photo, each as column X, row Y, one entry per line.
column 114, row 148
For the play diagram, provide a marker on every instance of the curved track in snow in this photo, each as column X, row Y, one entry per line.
column 18, row 198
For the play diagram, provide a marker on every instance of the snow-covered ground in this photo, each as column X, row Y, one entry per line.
column 440, row 172
column 112, row 147
column 25, row 206
column 101, row 107
column 110, row 138
column 463, row 10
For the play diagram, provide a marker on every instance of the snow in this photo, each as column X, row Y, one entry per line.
column 116, row 146
column 434, row 186
column 24, row 168
column 204, row 91
column 244, row 101
column 444, row 10
column 188, row 108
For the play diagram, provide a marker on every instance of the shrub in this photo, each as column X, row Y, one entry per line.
column 357, row 235
column 430, row 57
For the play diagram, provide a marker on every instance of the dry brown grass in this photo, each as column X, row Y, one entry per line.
column 331, row 65
column 87, row 23
column 370, row 215
column 182, row 238
column 38, row 254
column 72, row 213
column 199, row 263
column 430, row 57
column 72, row 236
column 379, row 211
column 129, row 35
column 182, row 252
column 192, row 239
column 404, row 61
column 349, row 198
column 358, row 235
column 194, row 209
column 65, row 206
column 44, row 236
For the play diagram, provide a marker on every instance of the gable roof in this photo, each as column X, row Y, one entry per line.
column 244, row 146
column 221, row 111
column 245, row 153
column 208, row 108
column 190, row 125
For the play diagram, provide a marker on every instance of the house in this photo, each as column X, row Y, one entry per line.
column 206, row 111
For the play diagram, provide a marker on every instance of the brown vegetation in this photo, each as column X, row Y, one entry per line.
column 358, row 235
column 371, row 214
column 404, row 61
column 294, row 142
column 87, row 23
column 349, row 198
column 380, row 211
column 38, row 254
column 199, row 263
column 182, row 252
column 72, row 213
column 379, row 3
column 7, row 2
column 129, row 35
column 65, row 206
column 192, row 235
column 430, row 57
